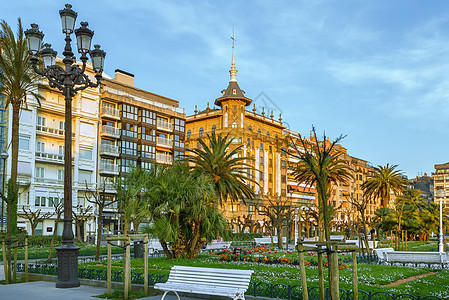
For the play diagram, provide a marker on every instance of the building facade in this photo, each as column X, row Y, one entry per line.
column 261, row 138
column 441, row 181
column 115, row 126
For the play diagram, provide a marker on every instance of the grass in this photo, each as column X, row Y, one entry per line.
column 371, row 277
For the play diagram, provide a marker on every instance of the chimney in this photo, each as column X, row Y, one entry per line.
column 124, row 77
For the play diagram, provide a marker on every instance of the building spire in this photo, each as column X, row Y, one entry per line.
column 233, row 70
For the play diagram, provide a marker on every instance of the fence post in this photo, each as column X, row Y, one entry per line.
column 26, row 259
column 145, row 257
column 355, row 288
column 109, row 267
column 5, row 263
column 320, row 273
column 302, row 267
column 333, row 264
column 16, row 244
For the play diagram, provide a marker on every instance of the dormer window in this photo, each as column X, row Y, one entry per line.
column 234, row 92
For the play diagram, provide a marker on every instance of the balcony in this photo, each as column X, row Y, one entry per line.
column 163, row 125
column 110, row 131
column 164, row 159
column 108, row 168
column 164, row 142
column 47, row 181
column 50, row 131
column 109, row 112
column 50, row 157
column 111, row 150
column 107, row 187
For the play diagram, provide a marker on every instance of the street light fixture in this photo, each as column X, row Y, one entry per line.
column 69, row 80
column 440, row 193
column 4, row 156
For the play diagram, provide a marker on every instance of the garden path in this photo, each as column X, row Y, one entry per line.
column 398, row 282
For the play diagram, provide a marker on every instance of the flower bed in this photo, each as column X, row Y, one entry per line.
column 270, row 256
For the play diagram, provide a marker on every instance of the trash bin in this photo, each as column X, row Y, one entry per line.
column 138, row 249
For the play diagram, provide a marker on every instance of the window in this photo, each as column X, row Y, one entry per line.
column 129, row 130
column 129, row 148
column 178, row 155
column 234, row 92
column 129, row 112
column 61, row 150
column 261, row 147
column 61, row 127
column 147, row 151
column 201, row 132
column 198, row 145
column 268, row 133
column 233, row 207
column 188, row 134
column 148, row 117
column 40, row 147
column 146, row 165
column 270, row 162
column 126, row 165
column 51, row 202
column 283, row 151
column 41, row 123
column 234, row 124
column 252, row 144
column 259, row 131
column 270, row 149
column 86, row 154
column 248, row 142
column 283, row 192
column 60, row 174
column 85, row 176
column 40, row 172
column 283, row 178
column 179, row 125
column 39, row 201
column 261, row 160
column 283, row 164
column 250, row 128
column 24, row 142
column 251, row 210
column 147, row 134
column 270, row 177
column 213, row 128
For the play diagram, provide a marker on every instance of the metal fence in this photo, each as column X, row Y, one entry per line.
column 256, row 289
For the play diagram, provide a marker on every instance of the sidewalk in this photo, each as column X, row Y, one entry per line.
column 46, row 290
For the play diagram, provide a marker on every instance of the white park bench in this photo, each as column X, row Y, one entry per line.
column 267, row 240
column 380, row 252
column 416, row 257
column 337, row 237
column 206, row 281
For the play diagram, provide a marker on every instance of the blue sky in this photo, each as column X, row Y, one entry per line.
column 377, row 71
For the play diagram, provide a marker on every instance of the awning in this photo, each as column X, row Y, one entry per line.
column 302, row 189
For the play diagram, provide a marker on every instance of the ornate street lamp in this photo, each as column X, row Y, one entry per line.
column 4, row 156
column 440, row 193
column 69, row 80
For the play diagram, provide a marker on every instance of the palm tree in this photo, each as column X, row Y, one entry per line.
column 409, row 201
column 17, row 80
column 384, row 180
column 319, row 164
column 227, row 170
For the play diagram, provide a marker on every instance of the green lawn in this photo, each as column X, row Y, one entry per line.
column 371, row 277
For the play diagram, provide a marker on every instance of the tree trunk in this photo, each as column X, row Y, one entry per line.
column 98, row 239
column 165, row 248
column 33, row 229
column 53, row 239
column 279, row 234
column 365, row 235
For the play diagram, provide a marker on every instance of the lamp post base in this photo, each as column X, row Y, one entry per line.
column 67, row 266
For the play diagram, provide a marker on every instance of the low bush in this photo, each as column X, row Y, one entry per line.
column 242, row 236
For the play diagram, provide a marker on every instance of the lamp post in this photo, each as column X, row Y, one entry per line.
column 440, row 193
column 4, row 157
column 69, row 80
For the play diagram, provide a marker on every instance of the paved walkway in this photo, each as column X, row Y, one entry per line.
column 46, row 290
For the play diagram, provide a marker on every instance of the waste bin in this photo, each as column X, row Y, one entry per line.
column 138, row 249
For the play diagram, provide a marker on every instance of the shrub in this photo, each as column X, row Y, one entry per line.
column 242, row 236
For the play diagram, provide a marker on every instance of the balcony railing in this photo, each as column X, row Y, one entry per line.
column 109, row 111
column 49, row 181
column 108, row 168
column 161, row 141
column 163, row 125
column 106, row 186
column 164, row 159
column 109, row 149
column 59, row 158
column 50, row 130
column 110, row 131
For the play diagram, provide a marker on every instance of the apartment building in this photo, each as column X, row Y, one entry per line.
column 41, row 153
column 441, row 182
column 137, row 128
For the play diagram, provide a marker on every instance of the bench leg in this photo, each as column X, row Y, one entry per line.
column 239, row 297
column 166, row 292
